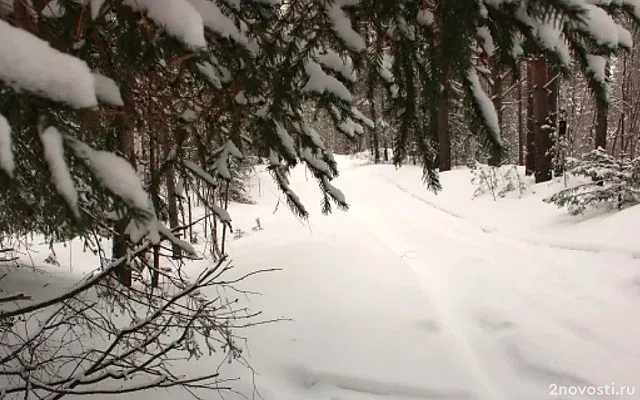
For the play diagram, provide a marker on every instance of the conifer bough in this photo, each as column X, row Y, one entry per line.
column 216, row 80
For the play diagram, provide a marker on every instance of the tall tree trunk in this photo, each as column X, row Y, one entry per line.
column 530, row 165
column 521, row 136
column 172, row 199
column 602, row 114
column 124, row 144
column 496, row 76
column 386, row 150
column 444, row 134
column 190, row 213
column 224, row 204
column 375, row 132
column 562, row 134
column 602, row 123
column 155, row 272
column 554, row 97
column 153, row 169
column 153, row 182
column 542, row 117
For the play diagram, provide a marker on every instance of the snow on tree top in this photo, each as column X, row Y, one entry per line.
column 549, row 35
column 319, row 81
column 486, row 105
column 116, row 174
column 314, row 136
column 597, row 67
column 359, row 115
column 217, row 21
column 287, row 141
column 342, row 65
column 29, row 63
column 487, row 40
column 604, row 29
column 107, row 90
column 52, row 143
column 342, row 27
column 179, row 17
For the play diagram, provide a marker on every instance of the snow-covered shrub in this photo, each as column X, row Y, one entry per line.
column 496, row 180
column 604, row 180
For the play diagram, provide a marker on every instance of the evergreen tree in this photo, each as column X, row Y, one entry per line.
column 94, row 91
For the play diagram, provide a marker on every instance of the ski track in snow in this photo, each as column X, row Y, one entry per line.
column 414, row 227
column 530, row 242
column 433, row 294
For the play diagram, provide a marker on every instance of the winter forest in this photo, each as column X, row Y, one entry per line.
column 319, row 199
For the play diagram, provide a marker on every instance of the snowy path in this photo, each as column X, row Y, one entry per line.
column 402, row 299
column 408, row 231
column 522, row 316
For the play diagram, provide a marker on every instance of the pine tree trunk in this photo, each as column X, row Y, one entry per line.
column 215, row 249
column 602, row 113
column 444, row 135
column 530, row 145
column 124, row 146
column 225, row 205
column 625, row 104
column 496, row 75
column 119, row 250
column 542, row 118
column 554, row 96
column 153, row 170
column 170, row 182
column 155, row 272
column 386, row 151
column 562, row 134
column 154, row 181
column 190, row 214
column 521, row 136
column 375, row 132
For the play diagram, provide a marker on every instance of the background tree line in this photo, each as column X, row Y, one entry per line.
column 546, row 114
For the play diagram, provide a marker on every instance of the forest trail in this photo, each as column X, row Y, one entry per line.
column 407, row 296
column 520, row 317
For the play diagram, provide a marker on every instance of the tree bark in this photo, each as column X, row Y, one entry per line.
column 602, row 113
column 496, row 75
column 386, row 151
column 124, row 142
column 530, row 145
column 521, row 135
column 444, row 135
column 542, row 117
column 554, row 97
column 562, row 134
column 375, row 132
column 172, row 199
column 153, row 181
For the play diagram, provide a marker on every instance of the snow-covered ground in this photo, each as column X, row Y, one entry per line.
column 410, row 295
